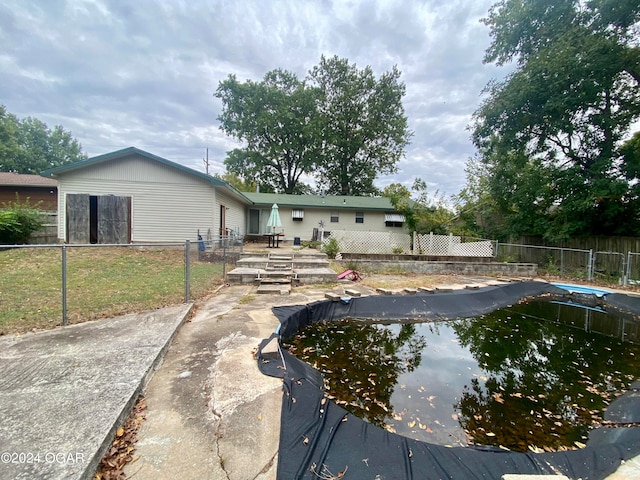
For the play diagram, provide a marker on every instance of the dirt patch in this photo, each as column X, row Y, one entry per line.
column 408, row 280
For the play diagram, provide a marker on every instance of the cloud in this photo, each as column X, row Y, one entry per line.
column 119, row 73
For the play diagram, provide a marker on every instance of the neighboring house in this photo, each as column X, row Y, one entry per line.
column 40, row 191
column 303, row 216
column 132, row 196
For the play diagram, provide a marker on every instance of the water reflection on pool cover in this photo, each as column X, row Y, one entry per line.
column 509, row 378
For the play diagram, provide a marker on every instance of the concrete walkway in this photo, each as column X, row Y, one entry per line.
column 211, row 414
column 64, row 392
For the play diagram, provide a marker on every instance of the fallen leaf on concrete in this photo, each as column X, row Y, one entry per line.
column 121, row 452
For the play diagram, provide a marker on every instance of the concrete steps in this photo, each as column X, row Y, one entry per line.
column 256, row 261
column 273, row 271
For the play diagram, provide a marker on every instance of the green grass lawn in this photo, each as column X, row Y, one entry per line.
column 101, row 282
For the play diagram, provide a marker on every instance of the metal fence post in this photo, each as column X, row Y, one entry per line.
column 187, row 270
column 64, row 285
column 590, row 266
column 224, row 262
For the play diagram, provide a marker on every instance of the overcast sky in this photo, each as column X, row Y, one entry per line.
column 143, row 73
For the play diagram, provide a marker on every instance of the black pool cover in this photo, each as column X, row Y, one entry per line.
column 319, row 439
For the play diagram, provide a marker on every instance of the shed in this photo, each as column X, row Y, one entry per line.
column 132, row 196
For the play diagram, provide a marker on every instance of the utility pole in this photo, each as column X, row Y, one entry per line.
column 206, row 162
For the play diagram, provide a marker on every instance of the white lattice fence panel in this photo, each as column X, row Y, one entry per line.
column 451, row 246
column 372, row 242
column 435, row 244
column 474, row 249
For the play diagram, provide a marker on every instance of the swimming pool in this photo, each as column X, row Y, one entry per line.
column 318, row 435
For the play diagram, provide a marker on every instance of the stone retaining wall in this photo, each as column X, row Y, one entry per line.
column 448, row 267
column 411, row 258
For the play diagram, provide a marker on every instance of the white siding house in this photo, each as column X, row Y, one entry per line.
column 301, row 214
column 166, row 202
column 132, row 196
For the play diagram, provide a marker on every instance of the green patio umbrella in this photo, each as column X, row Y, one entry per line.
column 274, row 219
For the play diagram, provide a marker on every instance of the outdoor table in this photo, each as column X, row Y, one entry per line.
column 274, row 240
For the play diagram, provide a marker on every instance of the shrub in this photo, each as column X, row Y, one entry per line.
column 18, row 221
column 331, row 247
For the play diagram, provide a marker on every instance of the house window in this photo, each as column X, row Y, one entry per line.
column 335, row 217
column 359, row 217
column 297, row 215
column 394, row 220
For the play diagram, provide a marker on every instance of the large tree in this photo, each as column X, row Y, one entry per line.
column 29, row 146
column 551, row 132
column 340, row 126
column 277, row 121
column 424, row 213
column 365, row 128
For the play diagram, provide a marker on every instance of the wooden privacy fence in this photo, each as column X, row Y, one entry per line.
column 597, row 244
column 608, row 259
column 49, row 232
column 564, row 262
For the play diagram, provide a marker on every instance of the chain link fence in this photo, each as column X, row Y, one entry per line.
column 563, row 262
column 632, row 273
column 42, row 286
column 572, row 263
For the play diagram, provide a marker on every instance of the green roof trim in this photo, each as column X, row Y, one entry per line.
column 319, row 201
column 69, row 167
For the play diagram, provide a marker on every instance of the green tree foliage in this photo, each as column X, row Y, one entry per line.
column 30, row 146
column 340, row 125
column 331, row 248
column 423, row 213
column 236, row 182
column 365, row 129
column 276, row 119
column 476, row 208
column 631, row 157
column 18, row 220
column 550, row 134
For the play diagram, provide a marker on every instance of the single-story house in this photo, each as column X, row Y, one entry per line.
column 132, row 196
column 302, row 216
column 40, row 191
